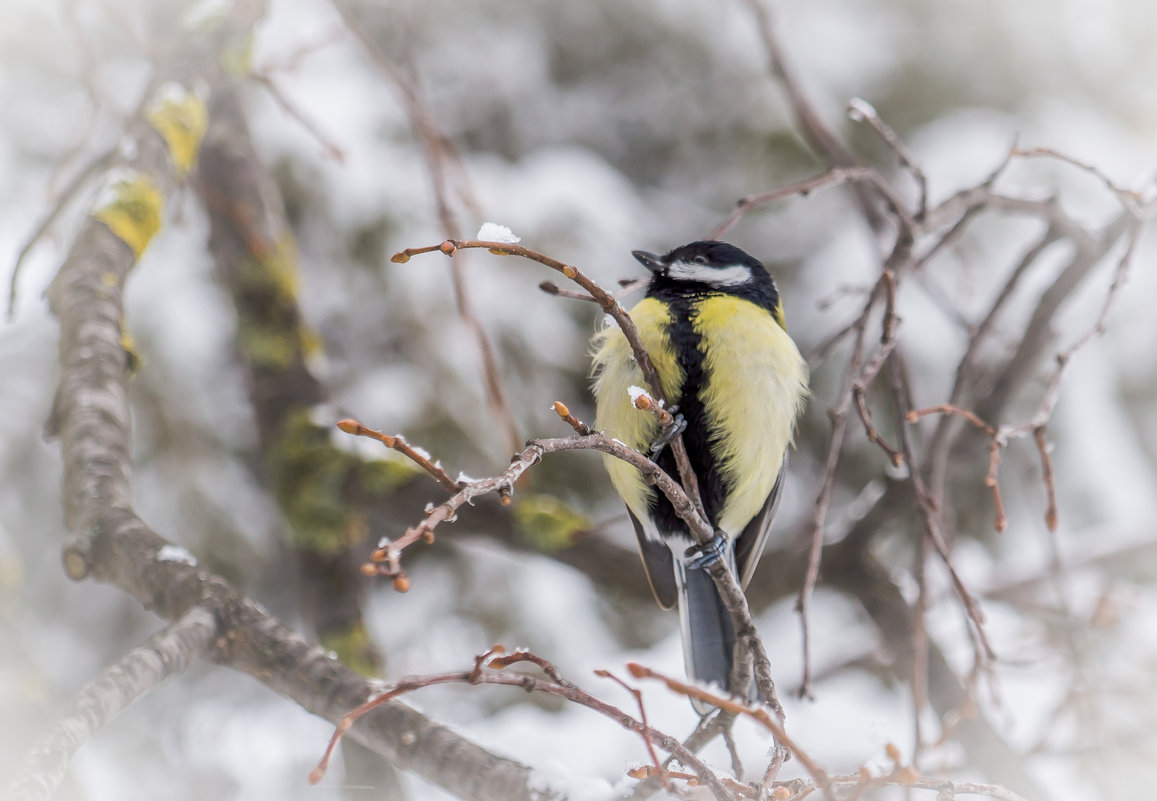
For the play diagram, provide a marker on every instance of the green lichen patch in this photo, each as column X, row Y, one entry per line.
column 271, row 331
column 180, row 117
column 317, row 484
column 354, row 647
column 548, row 523
column 131, row 206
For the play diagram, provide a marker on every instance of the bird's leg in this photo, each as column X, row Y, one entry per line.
column 703, row 556
column 667, row 433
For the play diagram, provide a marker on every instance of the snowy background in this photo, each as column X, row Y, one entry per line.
column 589, row 129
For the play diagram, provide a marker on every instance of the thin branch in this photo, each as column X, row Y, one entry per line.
column 167, row 653
column 929, row 510
column 440, row 155
column 638, row 696
column 77, row 183
column 860, row 110
column 817, row 134
column 760, row 716
column 397, row 443
column 1130, row 199
column 839, row 418
column 488, row 670
column 580, row 428
column 292, row 61
column 331, row 149
column 837, row 176
column 611, row 306
column 386, row 561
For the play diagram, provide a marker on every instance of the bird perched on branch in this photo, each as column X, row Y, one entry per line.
column 712, row 323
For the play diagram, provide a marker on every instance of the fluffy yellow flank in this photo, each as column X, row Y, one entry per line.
column 755, row 387
column 615, row 373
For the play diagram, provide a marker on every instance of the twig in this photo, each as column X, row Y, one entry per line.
column 581, row 428
column 399, row 444
column 872, row 367
column 929, row 512
column 611, row 306
column 440, row 155
column 738, row 789
column 1129, row 198
column 692, row 691
column 862, row 111
column 814, row 130
column 839, row 419
column 386, row 561
column 1046, row 461
column 638, row 696
column 74, row 186
column 292, row 61
column 861, row 782
column 836, row 176
column 551, row 288
column 948, row 408
column 331, row 149
column 606, row 300
column 488, row 669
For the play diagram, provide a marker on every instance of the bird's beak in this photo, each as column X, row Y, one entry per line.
column 650, row 261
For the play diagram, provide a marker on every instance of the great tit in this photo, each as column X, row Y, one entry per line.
column 712, row 322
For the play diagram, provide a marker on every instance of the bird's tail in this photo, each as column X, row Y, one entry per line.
column 708, row 636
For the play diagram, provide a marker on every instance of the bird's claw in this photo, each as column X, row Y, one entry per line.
column 676, row 427
column 704, row 556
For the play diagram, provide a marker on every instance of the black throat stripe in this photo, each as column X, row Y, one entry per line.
column 687, row 344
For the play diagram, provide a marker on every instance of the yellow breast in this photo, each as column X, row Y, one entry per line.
column 755, row 384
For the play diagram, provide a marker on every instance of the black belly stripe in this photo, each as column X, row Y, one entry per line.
column 687, row 344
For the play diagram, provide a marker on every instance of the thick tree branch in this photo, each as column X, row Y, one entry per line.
column 113, row 545
column 167, row 653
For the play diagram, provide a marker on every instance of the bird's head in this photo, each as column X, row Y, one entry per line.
column 709, row 267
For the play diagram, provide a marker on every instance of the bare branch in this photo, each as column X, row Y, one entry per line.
column 331, row 149
column 490, row 670
column 862, row 111
column 167, row 653
column 397, row 443
column 441, row 156
column 760, row 716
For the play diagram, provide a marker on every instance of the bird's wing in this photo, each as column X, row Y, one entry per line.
column 658, row 564
column 749, row 544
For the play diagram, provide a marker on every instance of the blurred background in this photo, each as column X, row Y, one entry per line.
column 590, row 129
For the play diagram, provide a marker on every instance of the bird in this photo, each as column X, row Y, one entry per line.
column 713, row 325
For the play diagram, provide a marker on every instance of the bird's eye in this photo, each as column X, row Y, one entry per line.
column 700, row 259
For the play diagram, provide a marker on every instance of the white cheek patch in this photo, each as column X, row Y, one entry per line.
column 734, row 275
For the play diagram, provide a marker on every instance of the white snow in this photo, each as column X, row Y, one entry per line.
column 493, row 232
column 637, row 392
column 175, row 553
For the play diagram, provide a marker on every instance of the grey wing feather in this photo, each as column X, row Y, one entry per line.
column 658, row 564
column 749, row 544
